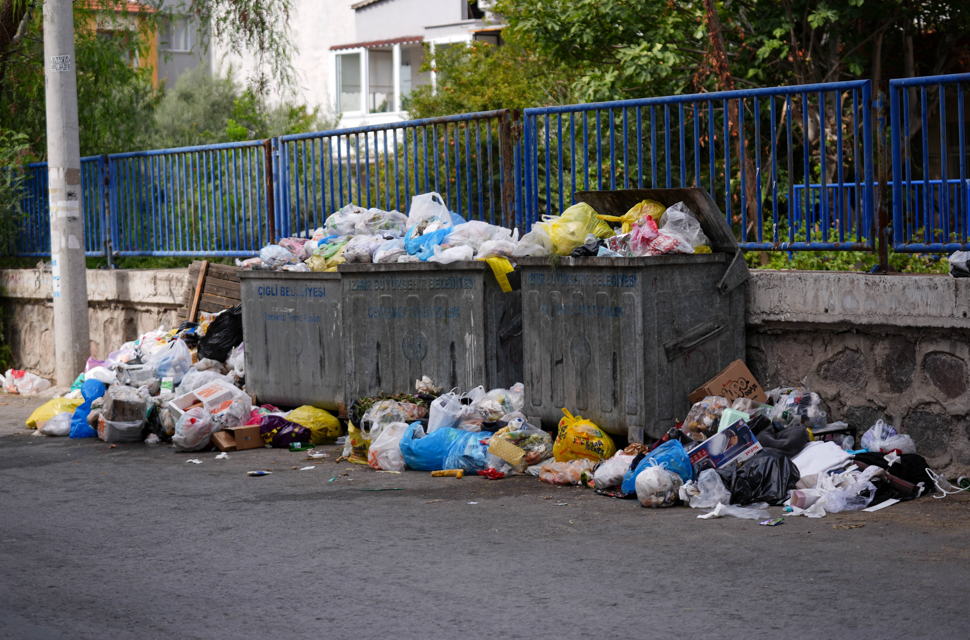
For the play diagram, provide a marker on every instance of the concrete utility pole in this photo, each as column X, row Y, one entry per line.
column 71, row 331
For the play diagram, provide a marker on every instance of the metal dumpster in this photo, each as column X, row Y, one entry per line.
column 450, row 322
column 294, row 346
column 623, row 341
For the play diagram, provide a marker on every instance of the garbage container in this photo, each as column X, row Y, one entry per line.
column 623, row 341
column 294, row 346
column 450, row 322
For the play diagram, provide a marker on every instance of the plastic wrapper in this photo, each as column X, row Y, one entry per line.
column 702, row 419
column 385, row 451
column 569, row 230
column 324, row 427
column 705, row 492
column 274, row 256
column 657, row 487
column 570, row 472
column 767, row 477
column 428, row 452
column 678, row 221
column 390, row 251
column 580, row 438
column 883, row 438
column 800, row 407
column 428, row 205
column 173, row 361
column 223, row 335
column 452, row 254
column 193, row 432
column 517, row 446
column 610, row 473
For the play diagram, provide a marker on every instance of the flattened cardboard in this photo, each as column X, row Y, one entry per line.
column 736, row 381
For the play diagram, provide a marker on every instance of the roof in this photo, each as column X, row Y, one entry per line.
column 378, row 43
column 363, row 3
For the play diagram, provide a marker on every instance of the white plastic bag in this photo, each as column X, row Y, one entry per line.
column 172, row 361
column 361, row 249
column 343, row 222
column 756, row 511
column 275, row 256
column 883, row 438
column 390, row 251
column 678, row 221
column 58, row 426
column 446, row 411
column 454, row 254
column 385, row 451
column 494, row 248
column 475, row 233
column 237, row 361
column 657, row 487
column 429, row 205
column 611, row 472
column 24, row 382
column 193, row 430
column 705, row 492
column 381, row 223
column 101, row 374
column 535, row 243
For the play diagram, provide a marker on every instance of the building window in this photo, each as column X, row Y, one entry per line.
column 348, row 82
column 178, row 35
column 380, row 81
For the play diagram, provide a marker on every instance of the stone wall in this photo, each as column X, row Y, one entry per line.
column 122, row 305
column 890, row 347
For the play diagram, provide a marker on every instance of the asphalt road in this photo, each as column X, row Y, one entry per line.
column 134, row 542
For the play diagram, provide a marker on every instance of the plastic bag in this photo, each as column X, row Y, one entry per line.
column 24, row 382
column 281, row 433
column 343, row 222
column 237, row 361
column 883, row 438
column 637, row 212
column 428, row 452
column 384, row 412
column 468, row 452
column 358, row 445
column 753, row 512
column 390, row 251
column 958, row 264
column 361, row 249
column 193, row 432
column 705, row 492
column 453, row 254
column 428, row 205
column 569, row 230
column 375, row 222
column 274, row 256
column 50, row 409
column 104, row 375
column 497, row 403
column 385, row 451
column 579, row 438
column 535, row 243
column 678, row 221
column 496, row 248
column 767, row 477
column 323, row 426
column 670, row 455
column 800, row 407
column 658, row 487
column 113, row 431
column 446, row 411
column 91, row 390
column 294, row 246
column 57, row 426
column 475, row 233
column 611, row 472
column 642, row 237
column 517, row 446
column 224, row 334
column 195, row 379
column 422, row 245
column 702, row 419
column 173, row 361
column 124, row 404
column 231, row 413
column 570, row 472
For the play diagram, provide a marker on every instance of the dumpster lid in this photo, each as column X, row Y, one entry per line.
column 263, row 274
column 700, row 203
column 381, row 267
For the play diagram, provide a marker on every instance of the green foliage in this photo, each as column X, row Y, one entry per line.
column 14, row 153
column 480, row 77
column 195, row 111
column 846, row 261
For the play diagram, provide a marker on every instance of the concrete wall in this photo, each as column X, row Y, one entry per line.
column 892, row 347
column 121, row 306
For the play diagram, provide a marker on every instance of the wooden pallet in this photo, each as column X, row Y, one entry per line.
column 220, row 288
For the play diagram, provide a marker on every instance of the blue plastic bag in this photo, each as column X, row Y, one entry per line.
column 91, row 390
column 423, row 246
column 670, row 455
column 430, row 452
column 456, row 219
column 467, row 452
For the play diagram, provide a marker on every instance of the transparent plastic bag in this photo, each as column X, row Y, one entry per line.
column 385, row 451
column 429, row 205
column 274, row 256
column 536, row 243
column 569, row 230
column 496, row 248
column 446, row 411
column 517, row 446
column 452, row 254
column 390, row 251
column 112, row 432
column 468, row 452
column 361, row 249
column 702, row 419
column 58, row 426
column 375, row 222
column 883, row 438
column 475, row 233
column 295, row 246
column 706, row 491
column 568, row 473
column 343, row 222
column 800, row 407
column 641, row 237
column 611, row 472
column 193, row 431
column 173, row 361
column 237, row 361
column 656, row 487
column 678, row 221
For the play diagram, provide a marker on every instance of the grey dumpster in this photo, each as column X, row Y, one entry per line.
column 623, row 341
column 450, row 322
column 294, row 348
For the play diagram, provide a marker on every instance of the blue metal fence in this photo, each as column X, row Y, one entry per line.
column 729, row 143
column 929, row 219
column 466, row 158
column 793, row 168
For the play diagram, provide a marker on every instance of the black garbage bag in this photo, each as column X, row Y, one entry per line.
column 767, row 477
column 225, row 333
column 911, row 468
column 153, row 424
column 788, row 441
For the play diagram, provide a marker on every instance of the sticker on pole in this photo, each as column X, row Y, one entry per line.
column 60, row 63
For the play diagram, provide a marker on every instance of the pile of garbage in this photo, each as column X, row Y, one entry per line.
column 432, row 233
column 727, row 457
column 184, row 386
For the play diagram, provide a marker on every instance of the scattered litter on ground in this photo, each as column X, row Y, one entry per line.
column 194, row 461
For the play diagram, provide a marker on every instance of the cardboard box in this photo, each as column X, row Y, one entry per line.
column 224, row 441
column 734, row 382
column 210, row 395
column 247, row 437
column 734, row 444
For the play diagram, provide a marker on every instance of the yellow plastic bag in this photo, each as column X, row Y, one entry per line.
column 324, row 427
column 501, row 268
column 579, row 438
column 650, row 208
column 569, row 230
column 50, row 409
column 359, row 443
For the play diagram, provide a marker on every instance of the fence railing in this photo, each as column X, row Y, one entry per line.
column 729, row 143
column 929, row 219
column 793, row 168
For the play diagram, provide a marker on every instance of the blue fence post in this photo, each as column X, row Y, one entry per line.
column 104, row 209
column 896, row 131
column 867, row 212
